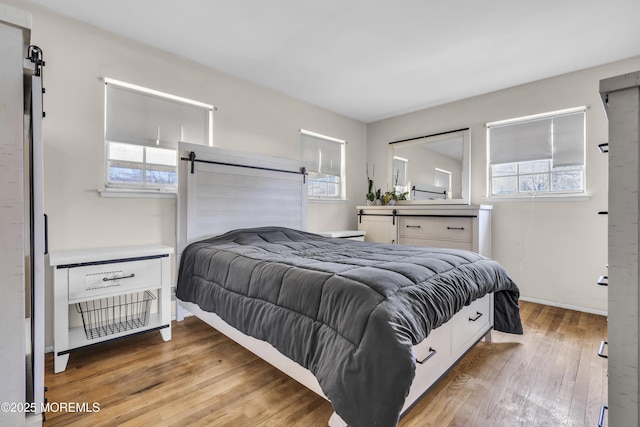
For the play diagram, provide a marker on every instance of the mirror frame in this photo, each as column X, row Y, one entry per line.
column 466, row 164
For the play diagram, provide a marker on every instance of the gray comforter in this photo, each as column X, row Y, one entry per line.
column 347, row 311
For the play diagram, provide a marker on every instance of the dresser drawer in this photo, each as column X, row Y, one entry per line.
column 470, row 320
column 436, row 348
column 93, row 281
column 449, row 244
column 452, row 228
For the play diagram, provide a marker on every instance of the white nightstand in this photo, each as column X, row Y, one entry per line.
column 345, row 234
column 113, row 290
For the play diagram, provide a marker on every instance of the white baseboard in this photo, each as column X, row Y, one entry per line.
column 567, row 306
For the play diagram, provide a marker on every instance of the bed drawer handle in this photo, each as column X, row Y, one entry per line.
column 601, row 350
column 455, row 228
column 414, row 226
column 478, row 315
column 603, row 409
column 106, row 279
column 432, row 352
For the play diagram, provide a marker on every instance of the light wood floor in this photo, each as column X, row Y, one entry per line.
column 550, row 376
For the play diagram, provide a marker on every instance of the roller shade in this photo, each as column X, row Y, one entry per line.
column 559, row 138
column 140, row 118
column 321, row 155
column 400, row 168
column 521, row 142
column 568, row 140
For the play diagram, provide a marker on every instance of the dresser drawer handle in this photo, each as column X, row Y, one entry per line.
column 601, row 350
column 106, row 279
column 414, row 226
column 432, row 352
column 455, row 228
column 478, row 315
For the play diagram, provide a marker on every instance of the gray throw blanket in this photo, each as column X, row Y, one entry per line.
column 347, row 311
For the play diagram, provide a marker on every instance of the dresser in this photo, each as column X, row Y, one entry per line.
column 446, row 226
column 112, row 293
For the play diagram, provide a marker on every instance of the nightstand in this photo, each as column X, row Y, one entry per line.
column 113, row 291
column 345, row 234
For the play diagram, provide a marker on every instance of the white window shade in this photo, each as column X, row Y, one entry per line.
column 320, row 155
column 559, row 138
column 521, row 142
column 136, row 117
column 568, row 140
column 400, row 171
column 443, row 179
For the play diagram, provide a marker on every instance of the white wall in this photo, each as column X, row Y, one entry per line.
column 554, row 250
column 248, row 118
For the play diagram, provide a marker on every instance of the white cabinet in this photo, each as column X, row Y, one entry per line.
column 444, row 226
column 114, row 291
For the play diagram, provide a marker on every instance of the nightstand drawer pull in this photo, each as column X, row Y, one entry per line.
column 106, row 279
column 455, row 228
column 478, row 315
column 414, row 226
column 432, row 352
column 601, row 350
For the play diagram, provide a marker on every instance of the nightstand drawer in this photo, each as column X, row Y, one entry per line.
column 92, row 281
column 457, row 229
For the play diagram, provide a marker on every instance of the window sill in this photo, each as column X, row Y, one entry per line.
column 318, row 200
column 133, row 193
column 582, row 197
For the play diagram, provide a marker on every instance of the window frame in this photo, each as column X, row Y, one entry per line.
column 550, row 171
column 320, row 178
column 145, row 187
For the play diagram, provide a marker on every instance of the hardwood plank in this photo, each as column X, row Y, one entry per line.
column 551, row 375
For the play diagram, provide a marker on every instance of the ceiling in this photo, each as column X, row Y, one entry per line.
column 373, row 59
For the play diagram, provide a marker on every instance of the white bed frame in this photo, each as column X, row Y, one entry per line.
column 218, row 197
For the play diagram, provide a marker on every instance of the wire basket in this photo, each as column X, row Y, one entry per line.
column 107, row 316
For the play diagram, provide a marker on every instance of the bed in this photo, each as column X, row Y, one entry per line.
column 355, row 322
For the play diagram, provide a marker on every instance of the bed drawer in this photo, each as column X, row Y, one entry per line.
column 470, row 321
column 92, row 281
column 436, row 348
column 452, row 228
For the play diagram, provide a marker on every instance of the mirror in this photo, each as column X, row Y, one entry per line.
column 432, row 168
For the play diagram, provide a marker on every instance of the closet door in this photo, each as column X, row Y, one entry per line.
column 621, row 96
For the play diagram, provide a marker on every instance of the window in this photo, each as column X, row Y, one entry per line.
column 323, row 156
column 541, row 154
column 443, row 179
column 400, row 173
column 142, row 131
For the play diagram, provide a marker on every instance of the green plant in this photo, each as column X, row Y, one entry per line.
column 371, row 195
